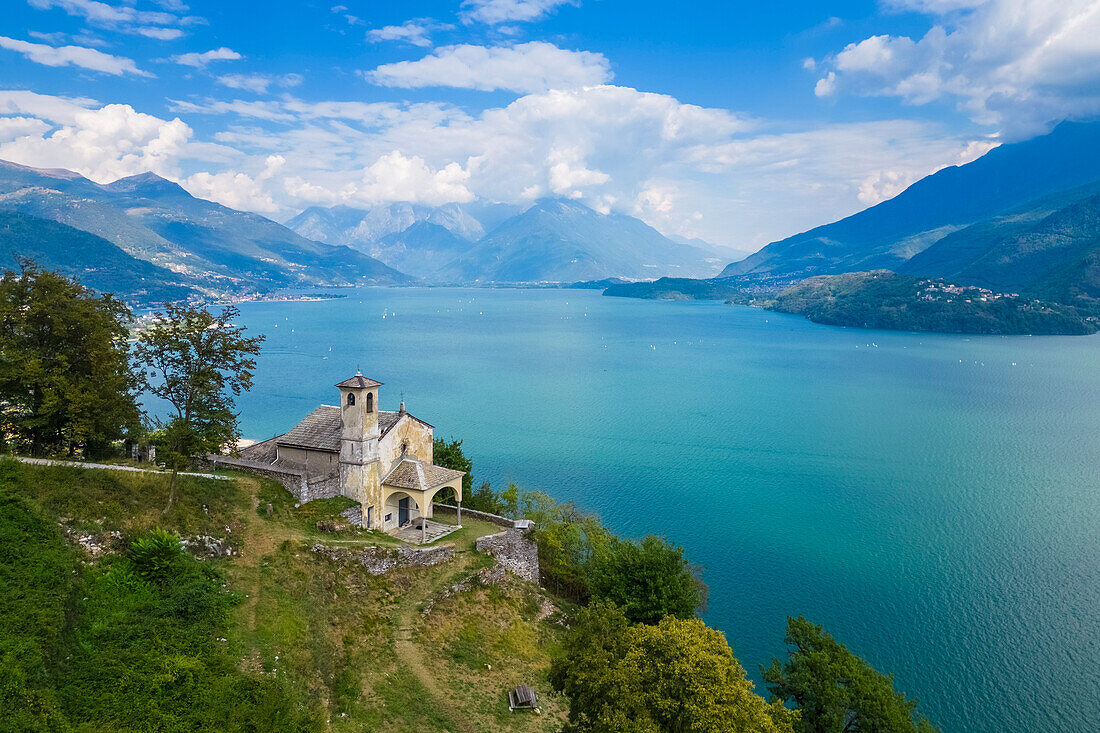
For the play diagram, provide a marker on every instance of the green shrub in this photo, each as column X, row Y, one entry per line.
column 154, row 554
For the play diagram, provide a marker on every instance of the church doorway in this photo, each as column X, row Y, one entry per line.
column 403, row 511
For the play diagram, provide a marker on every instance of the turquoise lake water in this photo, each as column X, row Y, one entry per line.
column 934, row 501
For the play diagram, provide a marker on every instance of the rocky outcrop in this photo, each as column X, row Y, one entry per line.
column 514, row 551
column 205, row 546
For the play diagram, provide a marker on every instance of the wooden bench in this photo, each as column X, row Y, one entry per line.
column 522, row 698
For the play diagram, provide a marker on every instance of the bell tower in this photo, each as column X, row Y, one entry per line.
column 359, row 434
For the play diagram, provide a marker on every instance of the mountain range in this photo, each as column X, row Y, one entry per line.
column 160, row 241
column 1023, row 217
column 553, row 240
column 207, row 247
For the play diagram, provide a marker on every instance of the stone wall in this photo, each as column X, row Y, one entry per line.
column 494, row 518
column 320, row 488
column 354, row 515
column 381, row 560
column 514, row 551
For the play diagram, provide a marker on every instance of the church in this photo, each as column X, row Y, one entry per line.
column 382, row 460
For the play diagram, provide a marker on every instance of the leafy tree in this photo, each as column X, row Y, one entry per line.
column 510, row 499
column 648, row 580
column 484, row 500
column 679, row 675
column 65, row 380
column 450, row 455
column 837, row 691
column 198, row 362
column 567, row 539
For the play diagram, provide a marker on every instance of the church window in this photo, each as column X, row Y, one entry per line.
column 370, row 402
column 351, row 399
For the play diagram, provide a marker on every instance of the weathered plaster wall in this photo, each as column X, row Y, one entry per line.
column 415, row 433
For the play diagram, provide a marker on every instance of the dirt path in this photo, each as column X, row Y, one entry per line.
column 410, row 655
column 112, row 467
column 260, row 539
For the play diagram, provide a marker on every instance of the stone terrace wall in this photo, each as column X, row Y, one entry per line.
column 381, row 560
column 514, row 551
column 494, row 518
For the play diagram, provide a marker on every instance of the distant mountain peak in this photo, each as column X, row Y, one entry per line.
column 51, row 172
column 147, row 183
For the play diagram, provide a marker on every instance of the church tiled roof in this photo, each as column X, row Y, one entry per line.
column 320, row 430
column 410, row 473
column 359, row 382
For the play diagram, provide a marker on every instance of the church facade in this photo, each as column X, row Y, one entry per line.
column 380, row 459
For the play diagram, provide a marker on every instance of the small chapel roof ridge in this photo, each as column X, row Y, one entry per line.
column 359, row 382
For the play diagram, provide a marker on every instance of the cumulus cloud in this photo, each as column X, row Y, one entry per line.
column 237, row 190
column 85, row 58
column 1020, row 64
column 61, row 110
column 105, row 144
column 15, row 127
column 397, row 177
column 527, row 67
column 494, row 12
column 416, row 32
column 200, row 60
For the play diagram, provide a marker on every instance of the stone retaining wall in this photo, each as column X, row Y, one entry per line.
column 381, row 560
column 494, row 518
column 514, row 551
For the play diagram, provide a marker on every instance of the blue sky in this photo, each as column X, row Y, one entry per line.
column 736, row 122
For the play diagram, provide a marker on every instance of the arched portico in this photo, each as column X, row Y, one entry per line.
column 408, row 490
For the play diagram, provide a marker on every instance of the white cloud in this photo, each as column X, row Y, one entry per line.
column 106, row 144
column 258, row 83
column 16, row 127
column 237, row 190
column 60, row 110
column 200, row 60
column 1020, row 64
column 161, row 34
column 493, row 12
column 568, row 173
column 85, row 58
column 125, row 18
column 397, row 177
column 527, row 67
column 416, row 32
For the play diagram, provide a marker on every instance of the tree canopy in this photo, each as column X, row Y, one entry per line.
column 678, row 675
column 198, row 362
column 449, row 455
column 835, row 690
column 648, row 580
column 65, row 380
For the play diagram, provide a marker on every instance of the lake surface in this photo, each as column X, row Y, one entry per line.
column 934, row 501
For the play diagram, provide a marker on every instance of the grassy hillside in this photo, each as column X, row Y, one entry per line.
column 272, row 637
